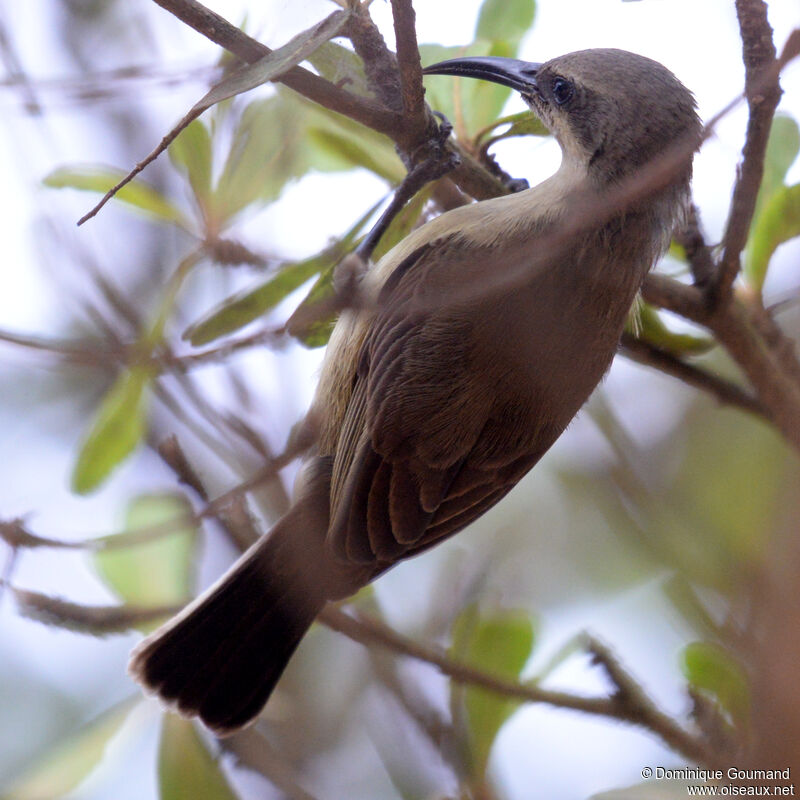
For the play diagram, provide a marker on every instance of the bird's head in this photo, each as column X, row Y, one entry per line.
column 611, row 111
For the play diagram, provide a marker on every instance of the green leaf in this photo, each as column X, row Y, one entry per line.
column 470, row 105
column 118, row 427
column 276, row 63
column 651, row 328
column 186, row 769
column 334, row 142
column 267, row 151
column 240, row 310
column 771, row 210
column 158, row 571
column 191, row 153
column 137, row 193
column 499, row 644
column 777, row 222
column 712, row 669
column 342, row 67
column 782, row 149
column 318, row 331
column 66, row 765
column 525, row 123
column 338, row 150
column 505, row 20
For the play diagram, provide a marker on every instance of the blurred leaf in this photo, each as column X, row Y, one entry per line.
column 730, row 488
column 66, row 765
column 651, row 328
column 499, row 644
column 157, row 572
column 777, row 222
column 186, row 769
column 712, row 669
column 275, row 63
column 687, row 602
column 525, row 123
column 236, row 312
column 505, row 20
column 137, row 193
column 191, row 153
column 472, row 105
column 335, row 142
column 340, row 151
column 118, row 426
column 770, row 217
column 267, row 151
column 342, row 67
column 317, row 333
column 782, row 149
column 677, row 251
column 469, row 104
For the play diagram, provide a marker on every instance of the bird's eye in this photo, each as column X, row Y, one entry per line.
column 562, row 91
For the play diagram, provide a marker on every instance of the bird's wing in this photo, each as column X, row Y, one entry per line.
column 425, row 447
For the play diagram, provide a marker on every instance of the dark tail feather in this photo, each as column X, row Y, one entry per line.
column 221, row 657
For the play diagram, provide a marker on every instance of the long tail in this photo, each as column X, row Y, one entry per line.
column 221, row 657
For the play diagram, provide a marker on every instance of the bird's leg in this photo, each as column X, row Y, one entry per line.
column 430, row 161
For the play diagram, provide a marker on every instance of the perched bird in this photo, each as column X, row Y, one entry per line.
column 486, row 331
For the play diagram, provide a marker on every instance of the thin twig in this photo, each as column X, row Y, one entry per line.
column 470, row 176
column 369, row 631
column 253, row 750
column 315, row 88
column 763, row 92
column 698, row 253
column 78, row 351
column 725, row 391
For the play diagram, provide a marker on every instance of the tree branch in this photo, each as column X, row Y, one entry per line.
column 698, row 253
column 629, row 704
column 409, row 63
column 725, row 391
column 762, row 90
column 327, row 94
column 470, row 176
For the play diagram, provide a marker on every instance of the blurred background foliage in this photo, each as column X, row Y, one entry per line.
column 665, row 522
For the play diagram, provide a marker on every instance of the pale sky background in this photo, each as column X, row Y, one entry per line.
column 696, row 39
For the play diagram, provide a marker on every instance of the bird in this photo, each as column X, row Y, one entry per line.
column 485, row 331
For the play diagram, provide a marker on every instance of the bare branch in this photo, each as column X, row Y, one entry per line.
column 698, row 252
column 409, row 63
column 763, row 92
column 726, row 392
column 315, row 88
column 252, row 750
column 94, row 620
column 630, row 704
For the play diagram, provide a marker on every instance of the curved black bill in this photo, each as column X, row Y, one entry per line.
column 519, row 75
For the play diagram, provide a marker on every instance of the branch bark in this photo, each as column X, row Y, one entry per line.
column 629, row 703
column 409, row 63
column 236, row 41
column 726, row 392
column 762, row 90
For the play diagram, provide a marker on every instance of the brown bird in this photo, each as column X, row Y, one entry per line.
column 488, row 329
